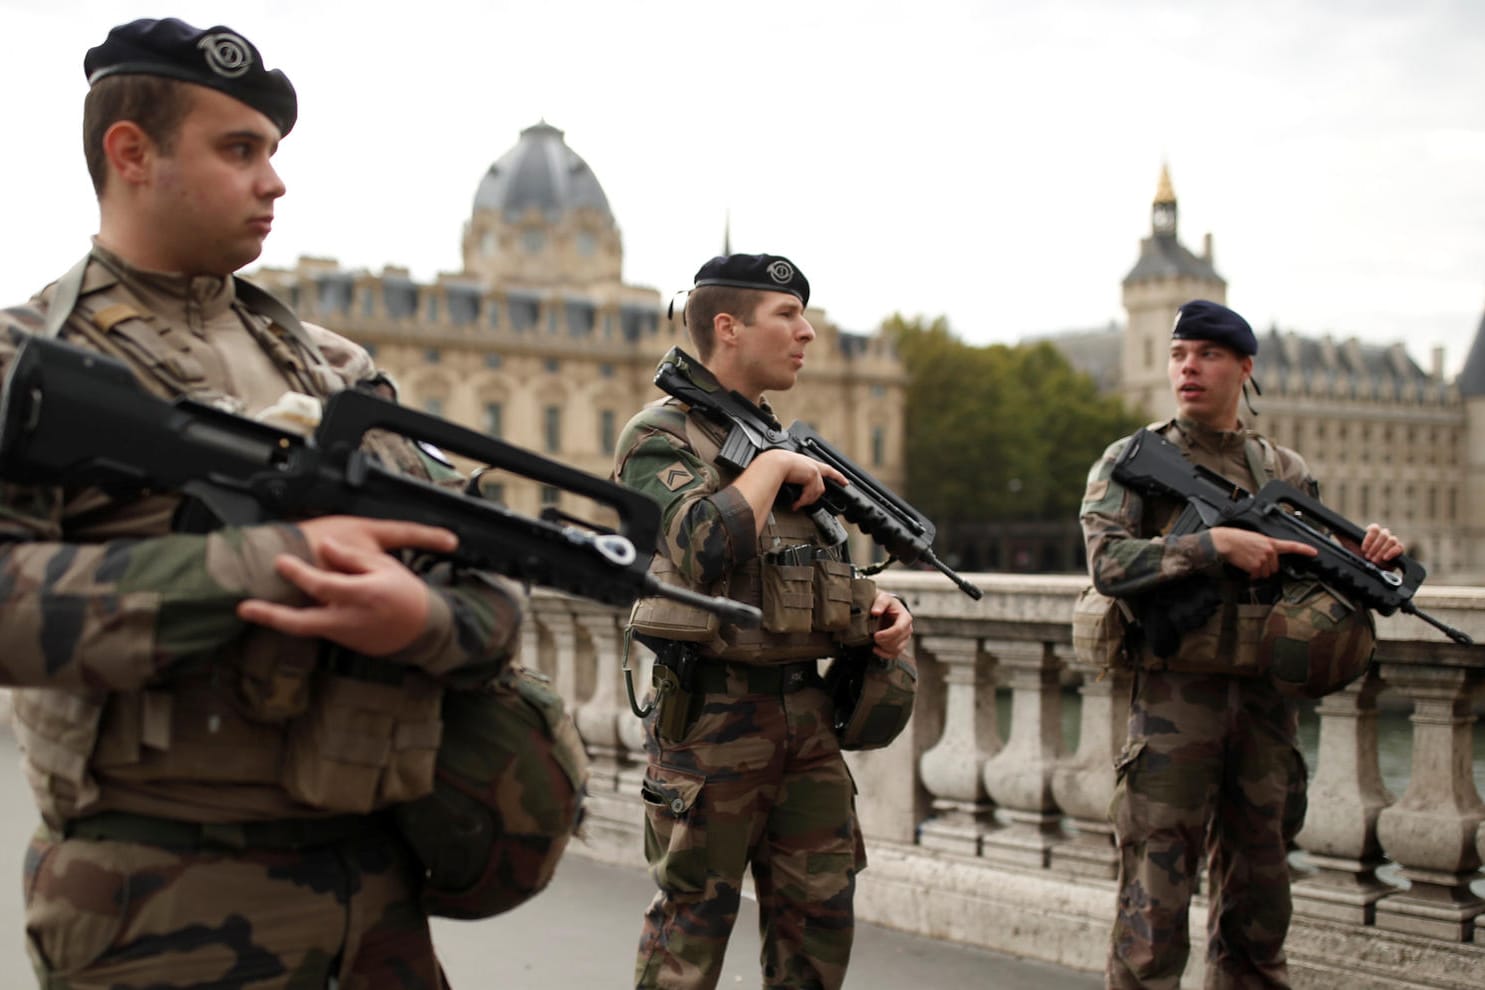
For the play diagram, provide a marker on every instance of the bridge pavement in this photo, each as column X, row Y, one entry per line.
column 579, row 934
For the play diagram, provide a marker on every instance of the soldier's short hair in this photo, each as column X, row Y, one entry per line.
column 157, row 104
column 706, row 302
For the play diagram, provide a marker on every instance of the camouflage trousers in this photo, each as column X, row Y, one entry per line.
column 119, row 914
column 758, row 779
column 1211, row 764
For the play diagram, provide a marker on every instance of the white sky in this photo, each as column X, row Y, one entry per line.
column 990, row 161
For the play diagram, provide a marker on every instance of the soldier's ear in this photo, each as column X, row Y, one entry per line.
column 725, row 328
column 130, row 152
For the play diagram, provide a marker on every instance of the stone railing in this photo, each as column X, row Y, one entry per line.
column 999, row 839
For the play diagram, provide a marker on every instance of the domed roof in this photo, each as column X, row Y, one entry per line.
column 540, row 171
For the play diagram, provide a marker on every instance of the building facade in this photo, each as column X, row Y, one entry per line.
column 1388, row 440
column 539, row 341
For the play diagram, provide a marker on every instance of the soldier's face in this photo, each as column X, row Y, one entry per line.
column 771, row 347
column 211, row 199
column 1207, row 379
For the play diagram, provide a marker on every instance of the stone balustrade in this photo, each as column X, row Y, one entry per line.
column 995, row 835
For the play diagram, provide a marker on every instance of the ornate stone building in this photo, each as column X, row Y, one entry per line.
column 539, row 341
column 1388, row 441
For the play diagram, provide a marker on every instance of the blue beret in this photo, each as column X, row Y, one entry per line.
column 768, row 272
column 217, row 57
column 1201, row 319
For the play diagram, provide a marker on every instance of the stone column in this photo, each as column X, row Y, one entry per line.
column 1431, row 831
column 952, row 768
column 1083, row 785
column 1019, row 778
column 598, row 717
column 1346, row 796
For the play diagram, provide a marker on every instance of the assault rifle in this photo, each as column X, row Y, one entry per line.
column 904, row 532
column 1152, row 465
column 73, row 416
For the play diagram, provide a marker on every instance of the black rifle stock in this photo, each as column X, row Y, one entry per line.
column 73, row 416
column 1152, row 465
column 893, row 524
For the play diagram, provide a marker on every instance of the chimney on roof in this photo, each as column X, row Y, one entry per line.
column 1436, row 370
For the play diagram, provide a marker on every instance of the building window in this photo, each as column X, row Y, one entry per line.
column 488, row 244
column 433, row 407
column 368, row 301
column 494, row 419
column 1149, row 352
column 552, row 428
column 493, row 492
column 878, row 446
column 879, row 391
column 431, row 355
column 551, row 496
column 552, row 366
column 431, row 308
column 493, row 360
column 493, row 307
column 607, row 431
column 605, row 370
column 533, row 240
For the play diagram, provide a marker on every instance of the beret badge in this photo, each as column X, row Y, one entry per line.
column 227, row 54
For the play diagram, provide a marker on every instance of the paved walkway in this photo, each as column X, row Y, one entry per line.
column 579, row 934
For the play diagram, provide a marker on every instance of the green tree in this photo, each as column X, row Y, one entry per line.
column 997, row 433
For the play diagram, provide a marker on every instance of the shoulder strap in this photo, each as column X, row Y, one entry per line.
column 1261, row 459
column 260, row 300
column 69, row 286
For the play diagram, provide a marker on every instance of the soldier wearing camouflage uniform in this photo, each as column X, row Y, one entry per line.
column 1211, row 762
column 750, row 771
column 215, row 723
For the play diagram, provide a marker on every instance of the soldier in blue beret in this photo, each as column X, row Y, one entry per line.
column 1210, row 769
column 750, row 772
column 214, row 816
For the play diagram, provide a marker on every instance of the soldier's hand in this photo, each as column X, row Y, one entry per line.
column 806, row 472
column 363, row 599
column 1379, row 545
column 894, row 636
column 1254, row 553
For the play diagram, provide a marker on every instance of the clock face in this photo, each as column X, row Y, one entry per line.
column 1164, row 217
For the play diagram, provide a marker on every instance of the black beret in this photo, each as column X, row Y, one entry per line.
column 1201, row 319
column 217, row 57
column 769, row 272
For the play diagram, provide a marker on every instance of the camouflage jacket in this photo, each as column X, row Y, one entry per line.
column 139, row 688
column 707, row 528
column 1127, row 551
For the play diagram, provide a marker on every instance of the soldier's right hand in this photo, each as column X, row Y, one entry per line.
column 1254, row 553
column 806, row 472
column 374, row 535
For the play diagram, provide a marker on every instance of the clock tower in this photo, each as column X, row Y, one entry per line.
column 1165, row 276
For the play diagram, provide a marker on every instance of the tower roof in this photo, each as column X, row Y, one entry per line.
column 1165, row 192
column 541, row 171
column 1471, row 380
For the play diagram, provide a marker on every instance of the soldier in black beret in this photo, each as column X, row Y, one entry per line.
column 713, row 805
column 181, row 738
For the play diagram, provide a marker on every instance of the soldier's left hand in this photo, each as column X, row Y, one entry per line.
column 1379, row 545
column 364, row 599
column 897, row 631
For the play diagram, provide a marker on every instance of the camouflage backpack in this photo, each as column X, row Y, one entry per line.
column 506, row 798
column 1314, row 640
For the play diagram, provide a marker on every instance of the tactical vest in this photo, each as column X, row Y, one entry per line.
column 811, row 601
column 269, row 728
column 1229, row 641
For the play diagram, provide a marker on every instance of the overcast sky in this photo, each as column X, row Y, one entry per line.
column 990, row 161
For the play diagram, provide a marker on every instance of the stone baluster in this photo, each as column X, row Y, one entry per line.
column 1346, row 797
column 1019, row 778
column 952, row 769
column 598, row 717
column 1083, row 785
column 1430, row 831
column 557, row 622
